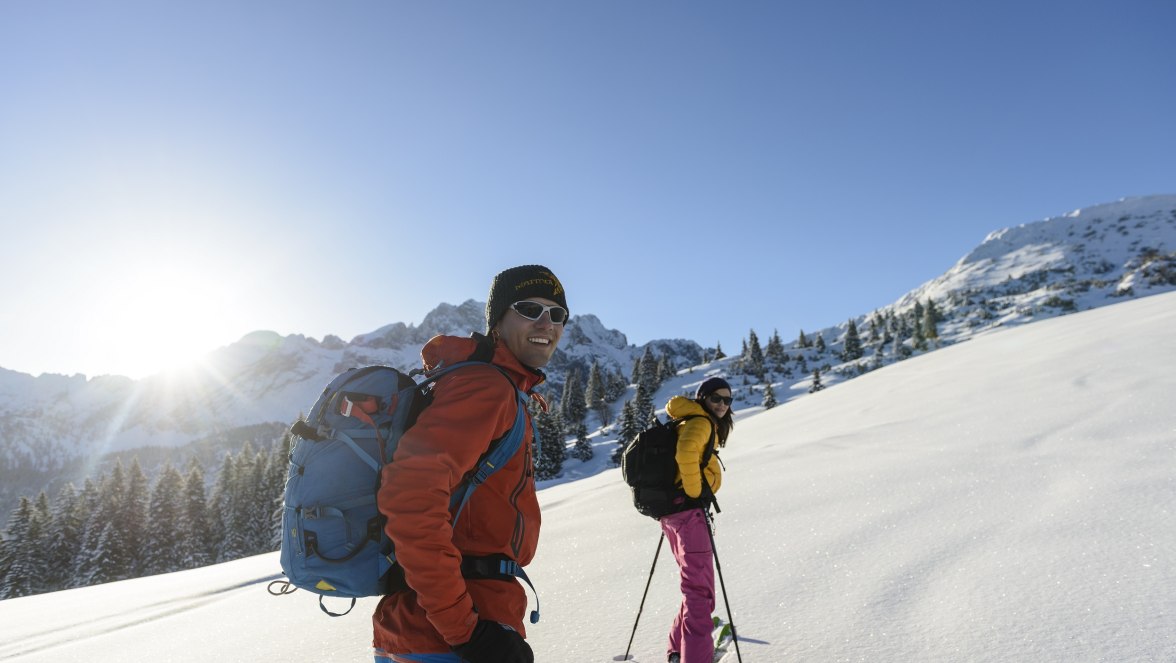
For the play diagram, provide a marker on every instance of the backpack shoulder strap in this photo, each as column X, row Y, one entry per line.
column 500, row 451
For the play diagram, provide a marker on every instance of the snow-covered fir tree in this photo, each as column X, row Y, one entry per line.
column 753, row 359
column 64, row 537
column 194, row 546
column 853, row 343
column 630, row 427
column 596, row 395
column 21, row 564
column 549, row 457
column 166, row 516
column 643, row 408
column 774, row 352
column 769, row 401
column 930, row 322
column 133, row 518
column 816, row 386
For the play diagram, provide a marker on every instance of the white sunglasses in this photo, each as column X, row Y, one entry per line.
column 534, row 310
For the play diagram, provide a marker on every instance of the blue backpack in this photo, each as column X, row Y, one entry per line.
column 333, row 540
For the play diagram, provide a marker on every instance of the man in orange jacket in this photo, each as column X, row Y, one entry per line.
column 448, row 611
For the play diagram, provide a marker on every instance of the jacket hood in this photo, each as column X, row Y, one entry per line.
column 680, row 406
column 443, row 351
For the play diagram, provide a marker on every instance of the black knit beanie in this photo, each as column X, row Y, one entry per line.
column 519, row 283
column 710, row 386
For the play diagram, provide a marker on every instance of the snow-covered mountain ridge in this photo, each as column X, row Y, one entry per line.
column 1082, row 260
column 1085, row 259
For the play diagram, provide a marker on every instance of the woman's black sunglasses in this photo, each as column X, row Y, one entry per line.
column 534, row 310
column 716, row 399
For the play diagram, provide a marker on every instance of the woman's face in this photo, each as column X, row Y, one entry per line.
column 718, row 403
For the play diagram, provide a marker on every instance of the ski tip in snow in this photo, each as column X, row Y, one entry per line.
column 722, row 638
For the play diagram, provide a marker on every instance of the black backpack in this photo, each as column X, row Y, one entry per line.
column 649, row 468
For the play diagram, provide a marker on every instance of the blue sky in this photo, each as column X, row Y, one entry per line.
column 176, row 175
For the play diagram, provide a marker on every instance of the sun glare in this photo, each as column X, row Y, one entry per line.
column 155, row 316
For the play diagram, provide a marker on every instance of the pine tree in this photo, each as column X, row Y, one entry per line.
column 133, row 518
column 617, row 386
column 628, row 430
column 64, row 537
column 5, row 562
column 42, row 520
column 719, row 354
column 643, row 410
column 918, row 340
column 665, row 369
column 630, row 423
column 108, row 561
column 277, row 470
column 754, row 356
column 195, row 546
column 550, row 455
column 802, row 341
column 930, row 318
column 649, row 376
column 106, row 551
column 240, row 521
column 89, row 513
column 572, row 405
column 22, row 542
column 816, row 386
column 769, row 401
column 775, row 350
column 261, row 506
column 820, row 343
column 853, row 344
column 226, row 544
column 582, row 449
column 595, row 394
column 900, row 350
column 165, row 518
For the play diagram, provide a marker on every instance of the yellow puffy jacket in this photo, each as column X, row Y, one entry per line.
column 693, row 436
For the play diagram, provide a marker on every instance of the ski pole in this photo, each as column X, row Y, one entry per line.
column 646, row 593
column 719, row 567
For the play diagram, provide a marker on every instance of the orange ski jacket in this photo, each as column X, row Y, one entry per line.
column 471, row 407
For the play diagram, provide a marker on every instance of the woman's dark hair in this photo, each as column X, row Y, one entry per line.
column 725, row 424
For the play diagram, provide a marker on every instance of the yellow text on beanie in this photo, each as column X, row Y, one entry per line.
column 519, row 283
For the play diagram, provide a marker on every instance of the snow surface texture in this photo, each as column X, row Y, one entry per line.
column 1006, row 499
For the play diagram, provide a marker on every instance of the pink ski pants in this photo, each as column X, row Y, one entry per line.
column 689, row 540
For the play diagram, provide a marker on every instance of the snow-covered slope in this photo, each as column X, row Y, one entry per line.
column 1006, row 499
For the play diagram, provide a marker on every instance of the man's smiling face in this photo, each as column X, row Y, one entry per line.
column 532, row 341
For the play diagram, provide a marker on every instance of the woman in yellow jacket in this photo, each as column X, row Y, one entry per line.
column 686, row 531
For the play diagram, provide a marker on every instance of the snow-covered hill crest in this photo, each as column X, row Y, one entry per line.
column 1078, row 261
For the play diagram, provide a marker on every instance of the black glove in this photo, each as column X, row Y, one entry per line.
column 494, row 643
